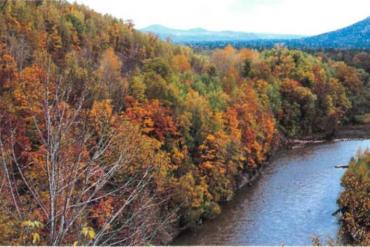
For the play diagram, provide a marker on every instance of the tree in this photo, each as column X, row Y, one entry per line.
column 83, row 160
column 181, row 63
column 137, row 88
column 8, row 68
column 111, row 85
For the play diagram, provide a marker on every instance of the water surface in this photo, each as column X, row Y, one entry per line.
column 292, row 201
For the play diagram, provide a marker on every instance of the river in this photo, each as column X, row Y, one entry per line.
column 290, row 203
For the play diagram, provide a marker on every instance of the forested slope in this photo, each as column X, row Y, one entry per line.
column 110, row 136
column 354, row 200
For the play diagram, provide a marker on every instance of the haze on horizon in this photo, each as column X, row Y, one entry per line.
column 304, row 17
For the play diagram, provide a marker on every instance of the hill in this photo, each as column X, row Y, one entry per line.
column 203, row 35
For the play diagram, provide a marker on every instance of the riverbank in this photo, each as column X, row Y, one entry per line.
column 249, row 179
column 353, row 131
column 344, row 132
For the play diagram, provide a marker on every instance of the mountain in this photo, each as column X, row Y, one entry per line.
column 203, row 35
column 354, row 36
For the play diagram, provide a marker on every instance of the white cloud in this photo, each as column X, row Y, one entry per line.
column 270, row 16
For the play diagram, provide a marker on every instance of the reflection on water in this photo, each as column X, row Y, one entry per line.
column 291, row 202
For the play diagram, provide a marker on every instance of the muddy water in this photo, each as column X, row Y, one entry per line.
column 292, row 201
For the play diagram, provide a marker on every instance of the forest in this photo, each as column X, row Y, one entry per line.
column 109, row 136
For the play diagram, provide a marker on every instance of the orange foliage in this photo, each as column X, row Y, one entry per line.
column 181, row 63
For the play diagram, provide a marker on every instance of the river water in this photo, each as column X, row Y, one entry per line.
column 290, row 203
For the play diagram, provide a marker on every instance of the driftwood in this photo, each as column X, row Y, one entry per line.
column 336, row 212
column 297, row 141
column 341, row 166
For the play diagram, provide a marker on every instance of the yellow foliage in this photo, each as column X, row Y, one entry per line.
column 32, row 224
column 88, row 232
column 101, row 109
column 35, row 238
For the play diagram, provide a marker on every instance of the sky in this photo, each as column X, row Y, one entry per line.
column 304, row 17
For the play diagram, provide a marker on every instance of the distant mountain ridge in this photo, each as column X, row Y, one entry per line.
column 201, row 35
column 355, row 36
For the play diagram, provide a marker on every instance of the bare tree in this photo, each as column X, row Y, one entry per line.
column 84, row 161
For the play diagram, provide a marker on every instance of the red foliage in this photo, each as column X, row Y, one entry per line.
column 156, row 120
